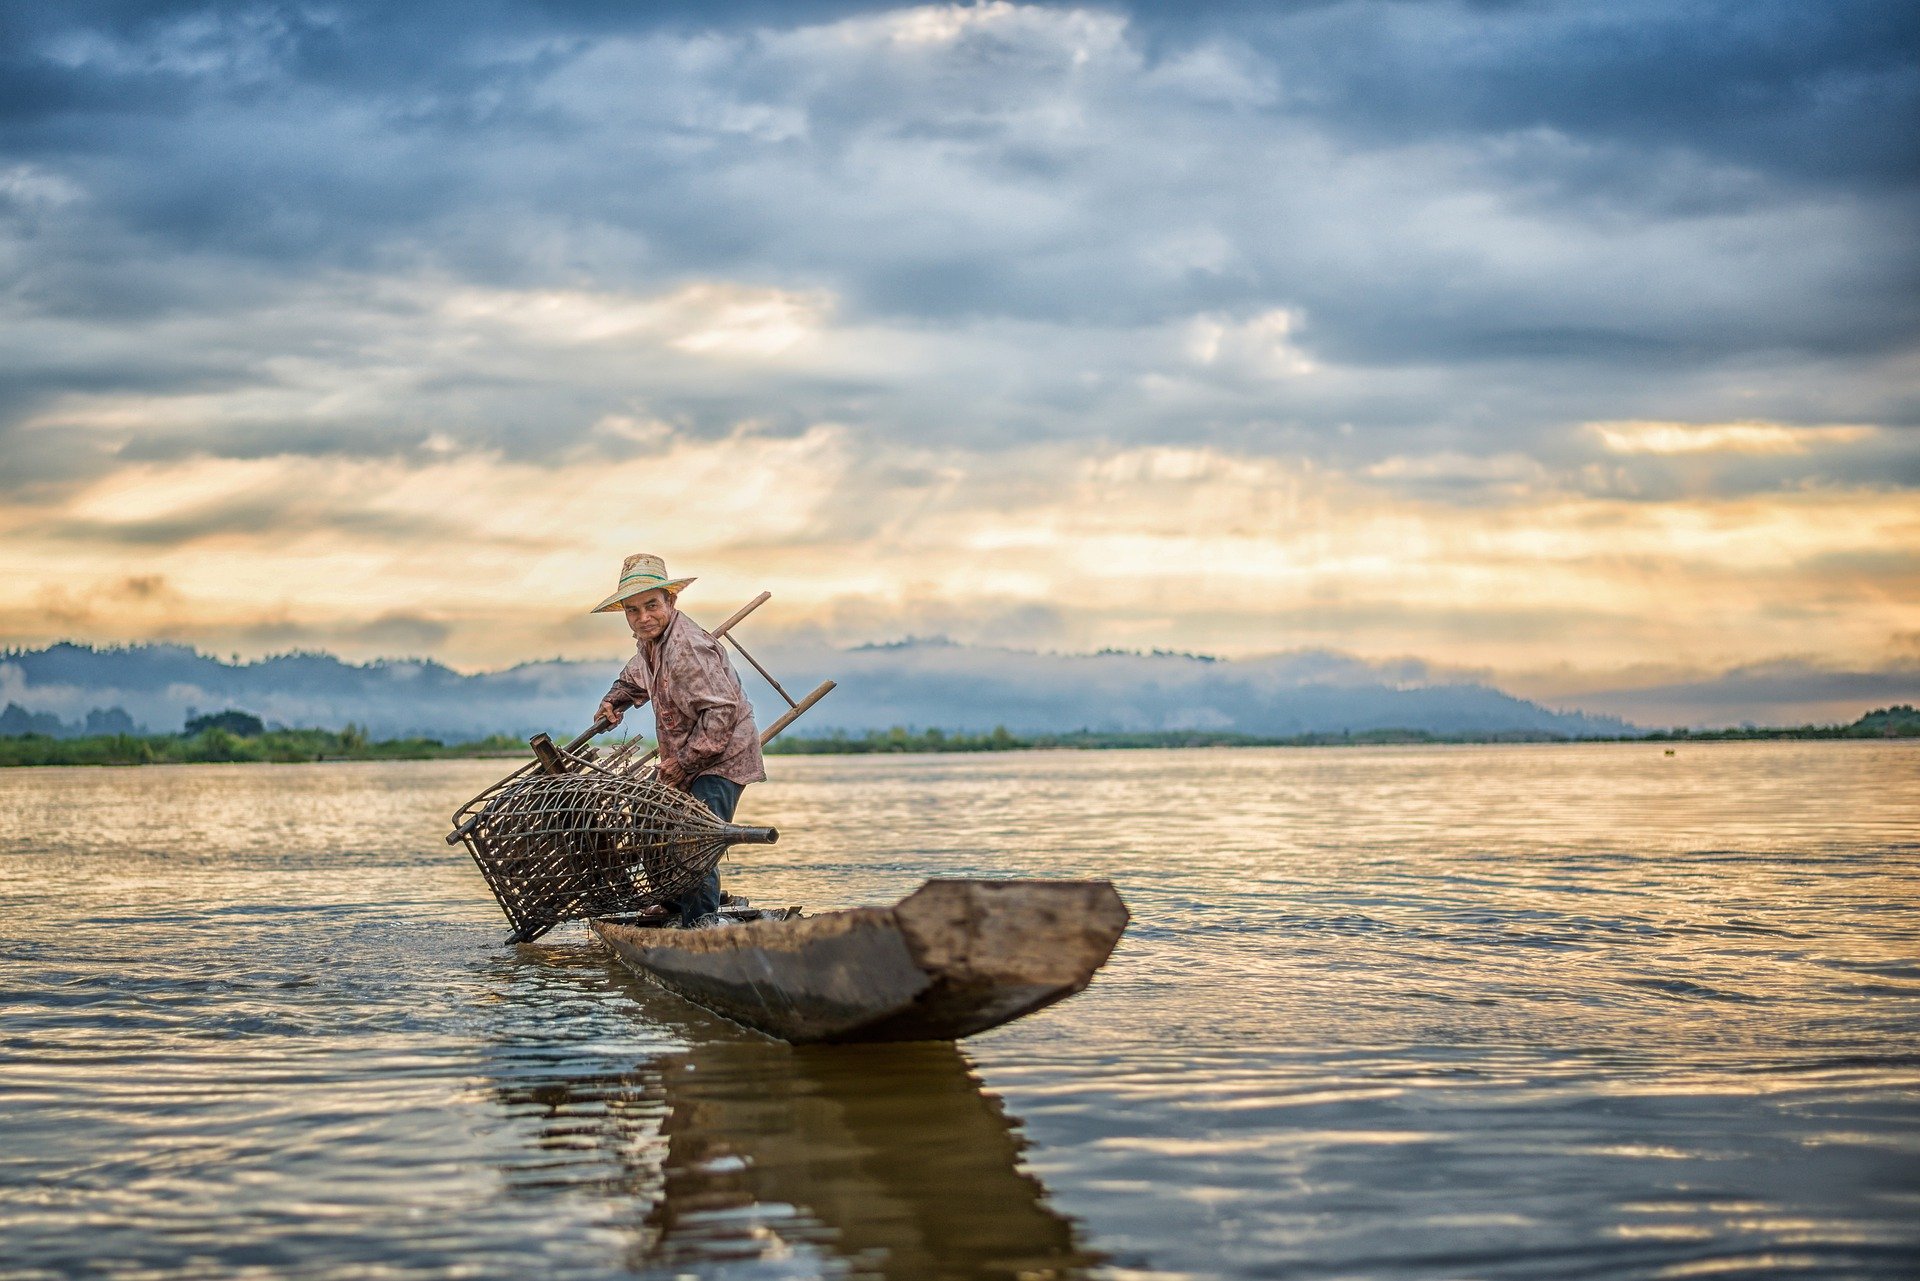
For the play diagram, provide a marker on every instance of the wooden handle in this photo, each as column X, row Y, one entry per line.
column 799, row 709
column 587, row 735
column 778, row 688
column 741, row 613
column 774, row 729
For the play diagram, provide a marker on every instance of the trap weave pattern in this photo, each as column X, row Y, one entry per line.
column 591, row 842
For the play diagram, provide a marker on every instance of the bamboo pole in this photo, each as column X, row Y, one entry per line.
column 767, row 735
column 799, row 708
column 778, row 688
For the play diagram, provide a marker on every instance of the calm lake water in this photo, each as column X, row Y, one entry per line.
column 1530, row 1011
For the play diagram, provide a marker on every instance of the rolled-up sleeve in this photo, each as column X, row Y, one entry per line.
column 630, row 686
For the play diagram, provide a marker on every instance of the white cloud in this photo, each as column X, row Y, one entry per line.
column 1262, row 346
column 708, row 318
column 1728, row 438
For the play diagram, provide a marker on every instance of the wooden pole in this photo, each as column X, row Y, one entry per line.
column 768, row 735
column 741, row 613
column 799, row 709
column 777, row 687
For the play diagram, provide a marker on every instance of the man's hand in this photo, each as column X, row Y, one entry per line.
column 608, row 713
column 672, row 774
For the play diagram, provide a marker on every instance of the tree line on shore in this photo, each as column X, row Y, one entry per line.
column 234, row 735
column 215, row 744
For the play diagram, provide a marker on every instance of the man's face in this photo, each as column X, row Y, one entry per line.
column 648, row 614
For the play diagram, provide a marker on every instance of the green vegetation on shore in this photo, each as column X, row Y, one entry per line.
column 900, row 739
column 1898, row 721
column 1891, row 722
column 213, row 742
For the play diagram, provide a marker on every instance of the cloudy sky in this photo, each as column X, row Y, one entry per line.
column 1573, row 345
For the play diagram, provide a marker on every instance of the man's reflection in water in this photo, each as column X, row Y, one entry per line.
column 891, row 1159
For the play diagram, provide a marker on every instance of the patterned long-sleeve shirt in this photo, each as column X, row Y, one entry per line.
column 701, row 717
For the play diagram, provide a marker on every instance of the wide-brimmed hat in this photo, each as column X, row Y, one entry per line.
column 641, row 573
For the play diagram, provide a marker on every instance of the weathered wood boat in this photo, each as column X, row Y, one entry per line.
column 953, row 958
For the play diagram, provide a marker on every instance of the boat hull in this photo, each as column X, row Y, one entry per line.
column 953, row 958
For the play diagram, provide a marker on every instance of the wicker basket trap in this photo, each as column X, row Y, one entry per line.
column 591, row 841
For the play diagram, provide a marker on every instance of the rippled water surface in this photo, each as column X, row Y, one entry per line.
column 1532, row 1011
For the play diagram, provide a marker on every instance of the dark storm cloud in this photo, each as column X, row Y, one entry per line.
column 1824, row 91
column 1498, row 220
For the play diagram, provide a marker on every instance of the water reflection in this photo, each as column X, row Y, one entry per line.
column 1555, row 1011
column 882, row 1161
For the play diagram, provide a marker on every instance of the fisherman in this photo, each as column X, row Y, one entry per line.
column 703, row 722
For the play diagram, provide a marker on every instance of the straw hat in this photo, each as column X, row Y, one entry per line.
column 640, row 573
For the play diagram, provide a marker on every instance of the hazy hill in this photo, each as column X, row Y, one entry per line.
column 916, row 683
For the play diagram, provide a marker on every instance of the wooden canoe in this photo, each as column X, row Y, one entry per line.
column 953, row 958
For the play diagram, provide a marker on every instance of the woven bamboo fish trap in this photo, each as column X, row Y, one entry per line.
column 592, row 842
column 575, row 834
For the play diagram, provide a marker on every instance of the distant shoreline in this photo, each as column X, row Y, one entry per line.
column 217, row 746
column 1893, row 722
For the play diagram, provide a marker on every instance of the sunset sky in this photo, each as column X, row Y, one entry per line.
column 1573, row 345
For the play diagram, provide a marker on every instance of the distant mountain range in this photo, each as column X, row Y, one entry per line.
column 71, row 689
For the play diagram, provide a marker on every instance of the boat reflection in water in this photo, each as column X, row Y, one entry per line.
column 889, row 1159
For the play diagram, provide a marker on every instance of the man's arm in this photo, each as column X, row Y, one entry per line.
column 629, row 690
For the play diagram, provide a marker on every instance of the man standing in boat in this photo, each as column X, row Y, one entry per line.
column 709, row 745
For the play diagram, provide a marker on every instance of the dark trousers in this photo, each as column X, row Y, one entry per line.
column 720, row 795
